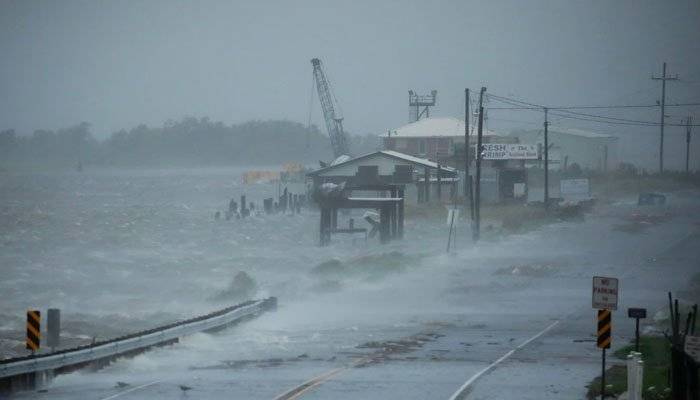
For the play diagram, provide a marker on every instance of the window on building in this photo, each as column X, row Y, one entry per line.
column 421, row 146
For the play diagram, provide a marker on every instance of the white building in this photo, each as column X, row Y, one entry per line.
column 590, row 150
column 432, row 138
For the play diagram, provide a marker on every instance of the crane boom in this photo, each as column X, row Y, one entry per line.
column 334, row 123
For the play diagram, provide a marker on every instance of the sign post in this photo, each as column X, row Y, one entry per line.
column 53, row 328
column 604, row 299
column 33, row 341
column 603, row 342
column 637, row 314
column 575, row 189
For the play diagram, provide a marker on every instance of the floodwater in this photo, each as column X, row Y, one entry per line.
column 137, row 245
column 120, row 250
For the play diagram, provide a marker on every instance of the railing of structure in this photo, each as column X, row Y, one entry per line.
column 133, row 342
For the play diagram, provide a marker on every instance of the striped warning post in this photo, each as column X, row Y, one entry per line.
column 604, row 329
column 33, row 330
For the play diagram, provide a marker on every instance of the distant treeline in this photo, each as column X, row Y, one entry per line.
column 188, row 142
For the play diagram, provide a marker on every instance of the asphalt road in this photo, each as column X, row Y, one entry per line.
column 509, row 318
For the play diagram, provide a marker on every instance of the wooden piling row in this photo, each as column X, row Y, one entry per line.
column 325, row 228
column 287, row 202
column 400, row 208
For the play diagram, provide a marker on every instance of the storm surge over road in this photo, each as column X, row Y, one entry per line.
column 118, row 251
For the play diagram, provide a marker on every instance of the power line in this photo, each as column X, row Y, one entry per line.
column 528, row 105
column 609, row 118
column 510, row 101
column 599, row 107
column 514, row 108
column 561, row 116
column 599, row 118
column 515, row 121
column 630, row 123
column 518, row 104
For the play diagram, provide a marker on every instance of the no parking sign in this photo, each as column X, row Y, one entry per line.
column 605, row 293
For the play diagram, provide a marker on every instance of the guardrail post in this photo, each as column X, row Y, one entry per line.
column 270, row 304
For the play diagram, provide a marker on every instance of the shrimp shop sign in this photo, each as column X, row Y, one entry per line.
column 509, row 151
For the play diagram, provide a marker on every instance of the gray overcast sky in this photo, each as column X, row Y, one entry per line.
column 116, row 64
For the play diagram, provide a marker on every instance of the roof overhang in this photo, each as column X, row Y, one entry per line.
column 390, row 154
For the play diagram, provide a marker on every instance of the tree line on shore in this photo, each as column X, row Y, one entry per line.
column 187, row 142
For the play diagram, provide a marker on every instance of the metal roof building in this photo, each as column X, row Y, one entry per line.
column 385, row 160
column 434, row 127
column 390, row 167
column 435, row 138
column 590, row 150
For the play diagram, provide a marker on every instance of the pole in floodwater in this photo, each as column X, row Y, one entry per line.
column 479, row 143
column 637, row 314
column 688, row 124
column 546, row 159
column 467, row 181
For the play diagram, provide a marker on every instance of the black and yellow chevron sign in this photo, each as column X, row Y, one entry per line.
column 604, row 329
column 33, row 330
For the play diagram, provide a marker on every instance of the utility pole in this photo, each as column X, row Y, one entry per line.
column 688, row 124
column 663, row 80
column 477, row 200
column 466, row 144
column 546, row 160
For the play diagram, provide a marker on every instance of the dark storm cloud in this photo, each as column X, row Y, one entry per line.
column 120, row 63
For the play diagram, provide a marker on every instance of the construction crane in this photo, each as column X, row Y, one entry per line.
column 334, row 120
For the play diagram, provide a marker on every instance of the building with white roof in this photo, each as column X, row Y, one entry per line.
column 434, row 138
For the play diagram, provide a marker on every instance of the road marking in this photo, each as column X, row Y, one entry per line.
column 504, row 357
column 297, row 391
column 114, row 396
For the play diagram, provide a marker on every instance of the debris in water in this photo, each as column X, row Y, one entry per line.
column 531, row 270
column 327, row 286
column 371, row 266
column 243, row 287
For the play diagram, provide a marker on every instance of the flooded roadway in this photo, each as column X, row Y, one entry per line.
column 351, row 322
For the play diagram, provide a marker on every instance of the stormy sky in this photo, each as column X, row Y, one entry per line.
column 120, row 63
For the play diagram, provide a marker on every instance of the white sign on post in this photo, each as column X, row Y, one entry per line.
column 508, row 151
column 604, row 293
column 577, row 187
column 692, row 347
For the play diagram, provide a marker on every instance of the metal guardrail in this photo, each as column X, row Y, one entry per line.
column 115, row 347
